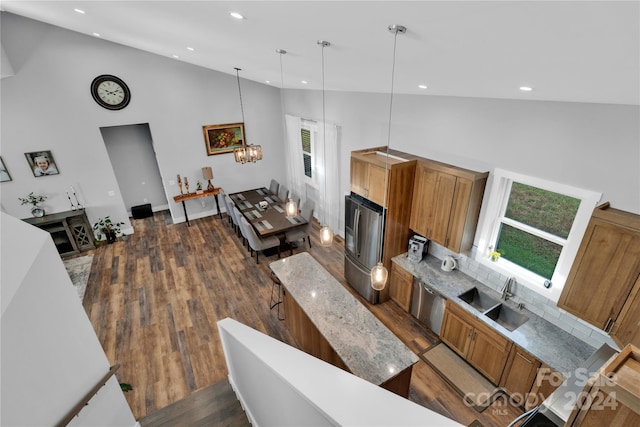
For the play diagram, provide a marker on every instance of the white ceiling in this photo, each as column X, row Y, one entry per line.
column 579, row 51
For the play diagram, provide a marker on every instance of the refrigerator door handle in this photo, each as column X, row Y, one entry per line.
column 356, row 230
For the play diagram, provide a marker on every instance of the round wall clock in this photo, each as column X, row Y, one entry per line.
column 110, row 92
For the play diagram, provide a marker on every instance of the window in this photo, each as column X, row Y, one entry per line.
column 533, row 228
column 306, row 151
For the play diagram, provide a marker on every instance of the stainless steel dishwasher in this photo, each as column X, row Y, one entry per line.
column 427, row 305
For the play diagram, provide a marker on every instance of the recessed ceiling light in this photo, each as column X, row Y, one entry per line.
column 422, row 86
column 236, row 15
column 190, row 48
column 526, row 88
column 176, row 56
column 304, row 82
column 96, row 34
column 80, row 11
column 267, row 82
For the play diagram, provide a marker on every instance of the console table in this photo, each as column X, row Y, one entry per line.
column 184, row 197
column 70, row 230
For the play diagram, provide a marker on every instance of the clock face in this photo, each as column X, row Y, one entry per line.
column 110, row 92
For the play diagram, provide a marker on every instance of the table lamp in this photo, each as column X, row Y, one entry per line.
column 207, row 174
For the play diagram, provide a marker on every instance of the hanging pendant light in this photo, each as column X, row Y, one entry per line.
column 291, row 207
column 379, row 273
column 326, row 234
column 246, row 153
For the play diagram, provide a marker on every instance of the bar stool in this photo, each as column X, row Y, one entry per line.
column 276, row 302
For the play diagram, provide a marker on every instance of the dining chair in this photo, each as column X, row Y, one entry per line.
column 283, row 192
column 243, row 234
column 256, row 243
column 226, row 206
column 273, row 187
column 304, row 231
column 234, row 219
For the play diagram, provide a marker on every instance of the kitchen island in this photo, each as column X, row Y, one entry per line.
column 331, row 324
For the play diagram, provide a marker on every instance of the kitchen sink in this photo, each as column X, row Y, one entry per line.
column 478, row 300
column 506, row 317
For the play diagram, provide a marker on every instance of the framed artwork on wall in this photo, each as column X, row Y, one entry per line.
column 42, row 163
column 223, row 138
column 4, row 173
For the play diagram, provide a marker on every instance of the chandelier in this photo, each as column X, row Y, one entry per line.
column 245, row 153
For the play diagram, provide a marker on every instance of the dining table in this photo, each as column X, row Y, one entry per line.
column 270, row 219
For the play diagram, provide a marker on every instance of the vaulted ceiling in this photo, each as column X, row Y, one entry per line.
column 577, row 51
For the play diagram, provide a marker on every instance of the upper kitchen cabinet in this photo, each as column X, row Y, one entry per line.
column 368, row 170
column 446, row 204
column 603, row 280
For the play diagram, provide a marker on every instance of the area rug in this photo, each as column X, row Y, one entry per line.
column 79, row 269
column 476, row 390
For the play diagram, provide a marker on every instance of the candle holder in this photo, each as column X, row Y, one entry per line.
column 180, row 185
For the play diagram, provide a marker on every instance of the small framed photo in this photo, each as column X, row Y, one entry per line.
column 223, row 138
column 4, row 173
column 42, row 163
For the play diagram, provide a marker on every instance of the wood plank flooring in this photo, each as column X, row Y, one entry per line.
column 154, row 300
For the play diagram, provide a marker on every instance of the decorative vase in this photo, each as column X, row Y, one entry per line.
column 37, row 211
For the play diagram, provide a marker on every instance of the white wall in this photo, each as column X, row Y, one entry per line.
column 51, row 356
column 591, row 146
column 47, row 105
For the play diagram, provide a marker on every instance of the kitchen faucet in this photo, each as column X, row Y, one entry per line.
column 506, row 288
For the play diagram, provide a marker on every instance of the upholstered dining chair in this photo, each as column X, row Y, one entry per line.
column 273, row 187
column 239, row 215
column 226, row 206
column 234, row 219
column 304, row 231
column 283, row 192
column 256, row 243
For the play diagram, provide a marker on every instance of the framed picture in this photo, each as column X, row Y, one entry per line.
column 42, row 163
column 4, row 173
column 223, row 138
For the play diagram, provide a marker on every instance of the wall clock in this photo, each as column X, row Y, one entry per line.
column 110, row 92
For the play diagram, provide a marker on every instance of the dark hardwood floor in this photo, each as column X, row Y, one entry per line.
column 154, row 300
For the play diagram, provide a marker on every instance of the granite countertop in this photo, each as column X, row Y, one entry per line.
column 542, row 339
column 368, row 348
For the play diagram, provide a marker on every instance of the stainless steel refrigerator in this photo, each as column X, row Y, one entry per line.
column 364, row 224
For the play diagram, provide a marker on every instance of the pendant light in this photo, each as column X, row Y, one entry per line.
column 379, row 273
column 291, row 207
column 326, row 234
column 246, row 153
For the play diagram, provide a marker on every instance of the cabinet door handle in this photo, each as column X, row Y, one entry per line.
column 608, row 325
column 529, row 361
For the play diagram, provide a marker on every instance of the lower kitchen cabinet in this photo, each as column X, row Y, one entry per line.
column 626, row 329
column 400, row 286
column 546, row 382
column 485, row 349
column 519, row 374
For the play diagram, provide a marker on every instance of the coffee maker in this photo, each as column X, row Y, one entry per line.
column 417, row 248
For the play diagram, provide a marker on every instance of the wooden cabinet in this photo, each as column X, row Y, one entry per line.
column 519, row 374
column 446, row 204
column 484, row 348
column 368, row 169
column 400, row 286
column 70, row 230
column 626, row 328
column 546, row 382
column 367, row 179
column 612, row 396
column 605, row 271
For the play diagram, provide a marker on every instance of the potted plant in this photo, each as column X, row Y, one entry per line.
column 108, row 228
column 34, row 200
